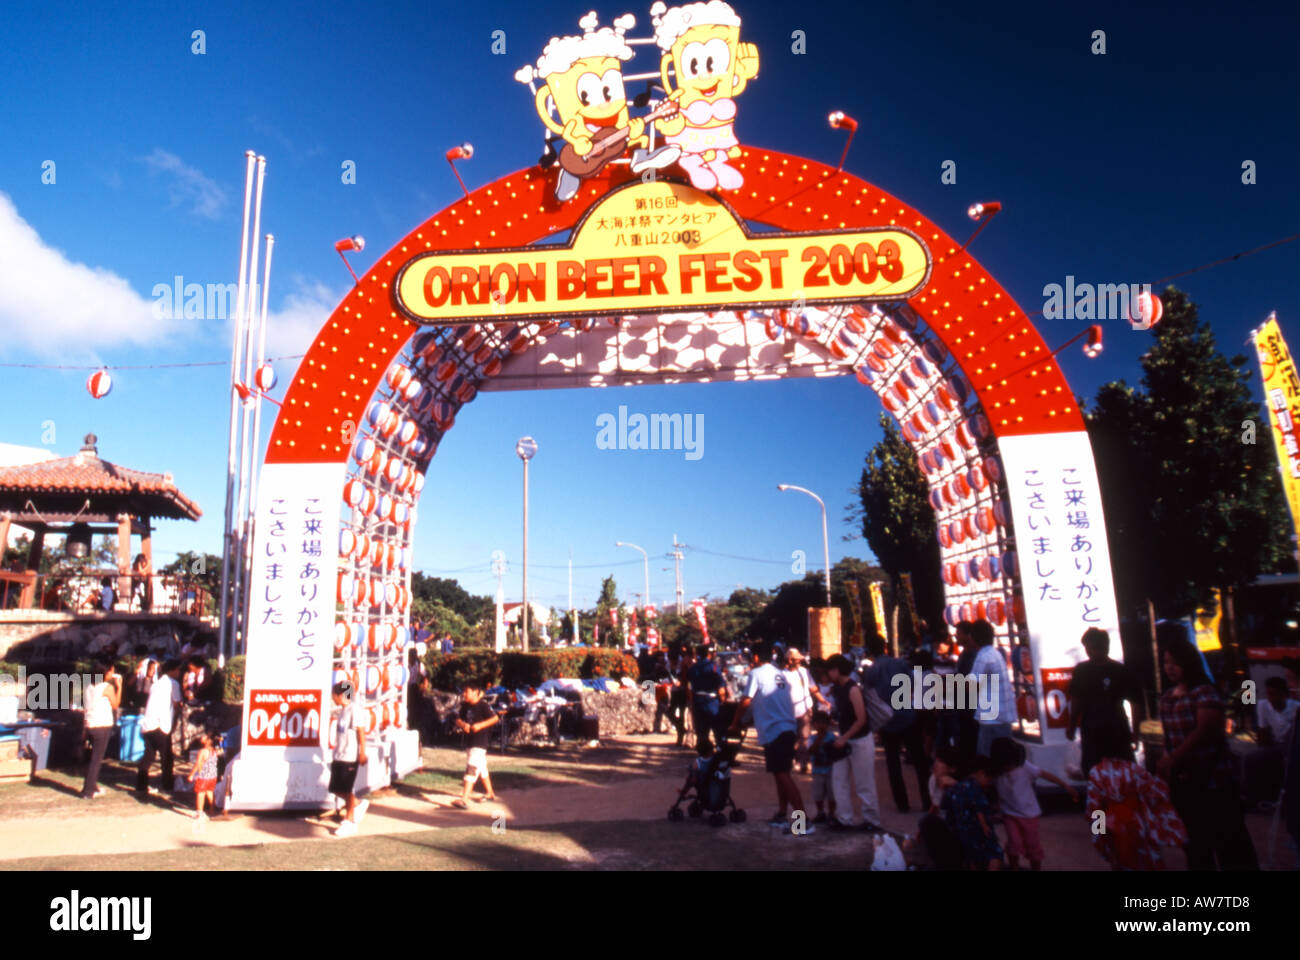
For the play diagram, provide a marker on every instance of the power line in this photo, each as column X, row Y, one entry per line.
column 138, row 366
column 732, row 556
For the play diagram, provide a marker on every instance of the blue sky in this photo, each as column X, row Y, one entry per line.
column 1117, row 168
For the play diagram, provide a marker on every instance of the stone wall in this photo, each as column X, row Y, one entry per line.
column 44, row 635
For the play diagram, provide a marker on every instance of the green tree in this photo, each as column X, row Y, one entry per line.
column 441, row 619
column 1189, row 506
column 897, row 520
column 450, row 594
column 608, row 600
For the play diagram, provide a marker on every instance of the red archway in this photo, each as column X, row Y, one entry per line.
column 979, row 394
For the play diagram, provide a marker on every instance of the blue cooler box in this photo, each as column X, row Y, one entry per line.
column 130, row 742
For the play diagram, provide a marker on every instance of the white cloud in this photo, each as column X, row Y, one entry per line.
column 188, row 185
column 52, row 305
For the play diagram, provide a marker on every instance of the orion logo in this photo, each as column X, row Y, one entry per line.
column 284, row 718
column 1132, row 302
column 657, row 431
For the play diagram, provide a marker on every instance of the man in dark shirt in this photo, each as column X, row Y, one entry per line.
column 475, row 719
column 1098, row 689
column 708, row 689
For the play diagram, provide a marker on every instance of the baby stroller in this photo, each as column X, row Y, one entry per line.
column 708, row 787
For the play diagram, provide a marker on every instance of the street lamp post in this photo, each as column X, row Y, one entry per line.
column 826, row 547
column 526, row 448
column 645, row 562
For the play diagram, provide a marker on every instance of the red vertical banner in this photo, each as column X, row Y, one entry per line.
column 698, row 606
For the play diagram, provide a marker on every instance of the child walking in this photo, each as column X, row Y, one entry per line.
column 476, row 717
column 204, row 775
column 968, row 811
column 1019, row 803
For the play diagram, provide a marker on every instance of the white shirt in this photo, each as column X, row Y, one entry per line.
column 99, row 709
column 1279, row 722
column 768, row 689
column 345, row 736
column 163, row 697
column 800, row 685
column 990, row 663
column 1016, row 792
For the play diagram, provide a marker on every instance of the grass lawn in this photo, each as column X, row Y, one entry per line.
column 620, row 845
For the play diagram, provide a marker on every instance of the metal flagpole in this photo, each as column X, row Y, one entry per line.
column 224, row 647
column 257, row 423
column 242, row 499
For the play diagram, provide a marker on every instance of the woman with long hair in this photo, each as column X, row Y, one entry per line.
column 1196, row 762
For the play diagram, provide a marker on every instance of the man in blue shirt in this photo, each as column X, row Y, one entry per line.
column 767, row 694
column 707, row 691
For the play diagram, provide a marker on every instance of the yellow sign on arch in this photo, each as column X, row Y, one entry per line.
column 660, row 247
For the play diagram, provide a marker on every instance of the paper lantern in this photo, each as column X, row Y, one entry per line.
column 968, row 524
column 984, row 520
column 404, row 560
column 265, row 378
column 419, row 482
column 345, row 588
column 908, row 380
column 1000, row 514
column 997, row 612
column 980, row 610
column 375, row 463
column 377, row 412
column 412, row 390
column 342, row 636
column 973, row 569
column 466, row 393
column 446, row 371
column 1018, row 608
column 962, row 573
column 484, row 353
column 956, row 532
column 943, row 397
column 407, row 433
column 976, row 478
column 347, row 542
column 373, row 638
column 390, row 424
column 391, row 594
column 376, row 592
column 398, row 376
column 368, row 500
column 951, row 615
column 892, row 331
column 492, row 367
column 945, row 536
column 882, row 348
column 962, row 486
column 1009, row 563
column 99, row 384
column 865, row 375
column 964, row 436
column 385, row 507
column 395, row 469
column 471, row 342
column 936, row 501
column 934, row 351
column 968, row 611
column 981, row 427
column 932, row 413
column 363, row 449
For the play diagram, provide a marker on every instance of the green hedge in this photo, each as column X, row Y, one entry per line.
column 450, row 671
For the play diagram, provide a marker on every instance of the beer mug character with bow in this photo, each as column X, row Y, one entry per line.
column 701, row 44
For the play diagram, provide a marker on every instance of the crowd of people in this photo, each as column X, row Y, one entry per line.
column 827, row 718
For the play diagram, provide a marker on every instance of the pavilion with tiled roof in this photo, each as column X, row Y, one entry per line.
column 83, row 495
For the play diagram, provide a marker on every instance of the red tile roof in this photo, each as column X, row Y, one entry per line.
column 86, row 474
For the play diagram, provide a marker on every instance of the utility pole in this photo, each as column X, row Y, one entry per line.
column 499, row 568
column 573, row 616
column 677, row 563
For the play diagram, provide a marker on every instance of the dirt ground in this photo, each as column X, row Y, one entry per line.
column 570, row 807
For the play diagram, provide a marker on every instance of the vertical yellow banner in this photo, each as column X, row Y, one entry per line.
column 1282, row 395
column 878, row 608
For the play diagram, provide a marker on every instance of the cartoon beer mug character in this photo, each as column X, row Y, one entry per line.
column 583, row 84
column 701, row 43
